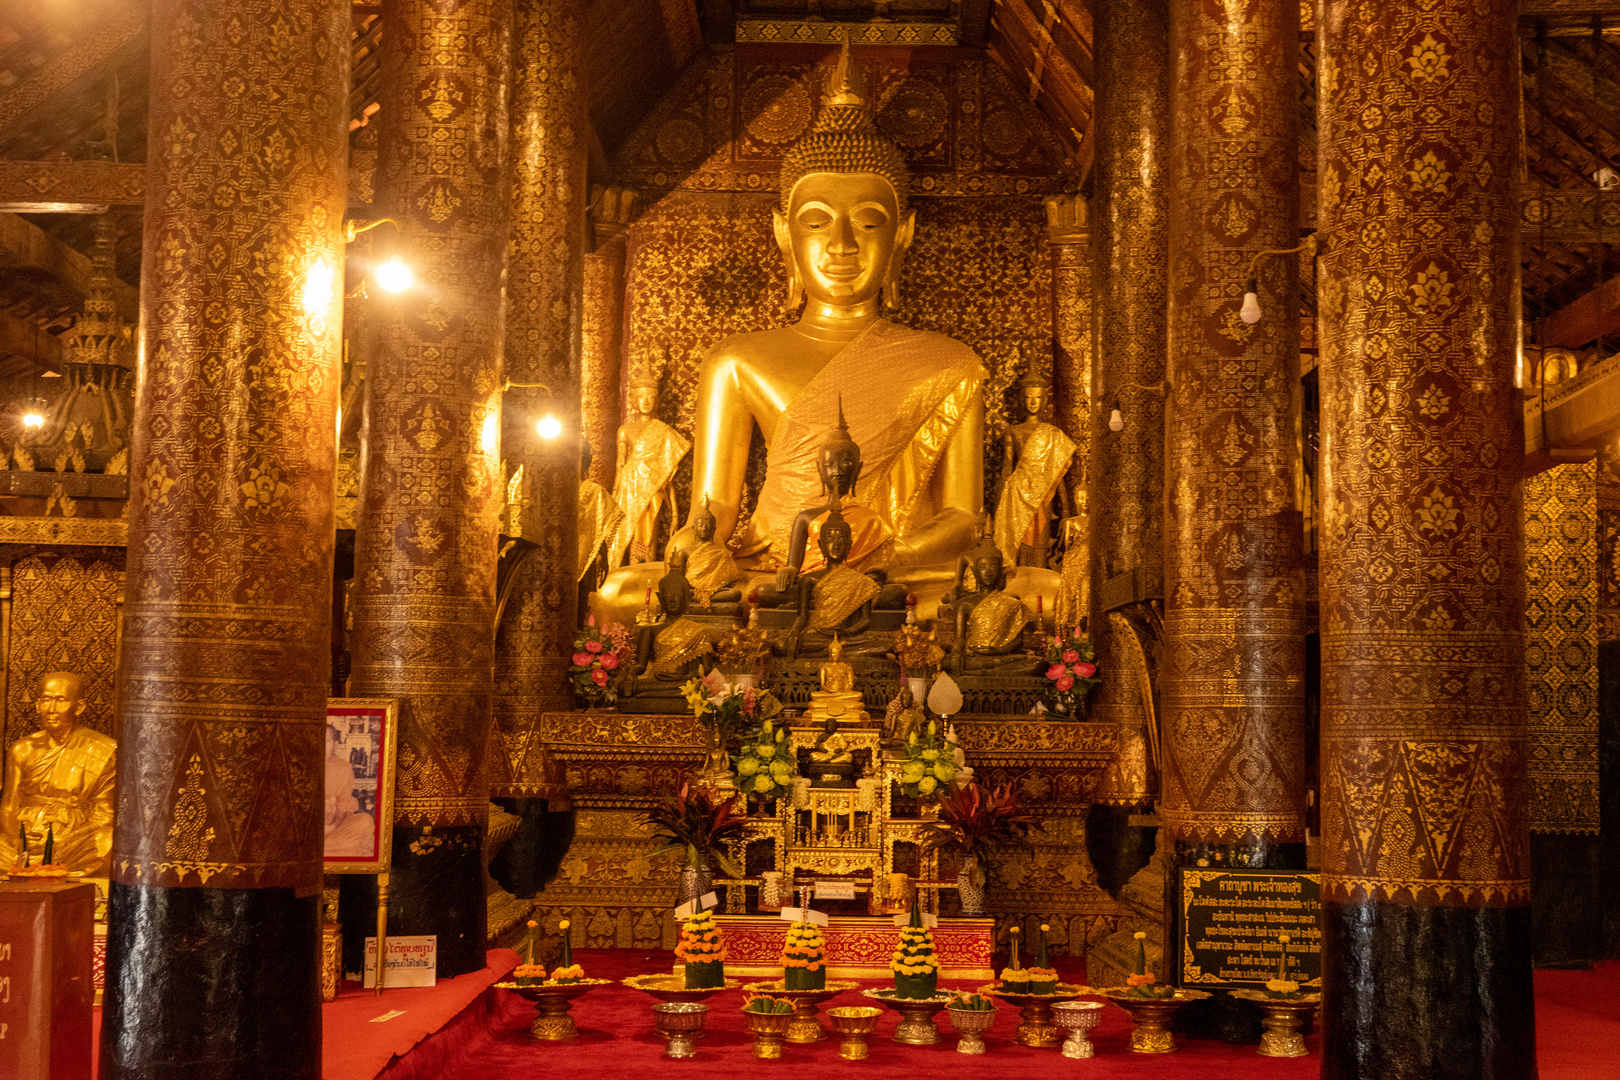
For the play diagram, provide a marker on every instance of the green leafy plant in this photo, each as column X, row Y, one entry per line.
column 696, row 819
column 973, row 822
column 763, row 1003
column 972, row 1002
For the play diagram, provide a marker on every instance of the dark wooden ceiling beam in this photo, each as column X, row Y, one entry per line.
column 97, row 40
column 973, row 22
column 27, row 340
column 25, row 246
column 719, row 21
column 69, row 187
column 1587, row 319
column 1547, row 9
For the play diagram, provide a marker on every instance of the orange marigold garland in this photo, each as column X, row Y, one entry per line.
column 703, row 951
column 804, row 965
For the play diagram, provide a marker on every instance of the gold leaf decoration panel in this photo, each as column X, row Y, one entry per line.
column 64, row 617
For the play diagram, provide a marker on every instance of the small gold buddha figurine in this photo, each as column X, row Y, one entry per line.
column 1035, row 455
column 649, row 451
column 832, row 748
column 837, row 699
column 599, row 518
column 989, row 623
column 709, row 566
column 60, row 780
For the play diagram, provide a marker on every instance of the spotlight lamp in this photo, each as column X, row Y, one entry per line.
column 32, row 420
column 1250, row 311
column 548, row 426
column 394, row 276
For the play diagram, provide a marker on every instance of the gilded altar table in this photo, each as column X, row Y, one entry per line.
column 857, row 947
column 618, row 764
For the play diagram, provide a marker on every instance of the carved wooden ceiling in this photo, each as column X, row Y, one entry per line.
column 73, row 86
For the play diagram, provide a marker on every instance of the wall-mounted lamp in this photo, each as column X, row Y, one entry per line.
column 548, row 426
column 392, row 275
column 33, row 420
column 1250, row 311
column 1116, row 422
column 1116, row 418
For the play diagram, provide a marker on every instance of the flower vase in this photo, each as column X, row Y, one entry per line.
column 919, row 691
column 696, row 880
column 968, row 889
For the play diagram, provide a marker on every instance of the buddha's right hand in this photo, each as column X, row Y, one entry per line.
column 786, row 578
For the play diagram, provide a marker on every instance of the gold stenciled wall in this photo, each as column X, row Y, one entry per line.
column 702, row 264
column 1561, row 647
column 61, row 615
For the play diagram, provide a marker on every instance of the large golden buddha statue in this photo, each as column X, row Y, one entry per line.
column 912, row 399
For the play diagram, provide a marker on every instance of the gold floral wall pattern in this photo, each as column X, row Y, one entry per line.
column 1561, row 647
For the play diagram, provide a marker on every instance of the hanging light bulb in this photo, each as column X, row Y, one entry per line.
column 1250, row 312
column 1116, row 422
column 549, row 427
column 33, row 420
column 394, row 276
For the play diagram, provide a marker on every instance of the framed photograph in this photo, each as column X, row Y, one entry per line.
column 361, row 735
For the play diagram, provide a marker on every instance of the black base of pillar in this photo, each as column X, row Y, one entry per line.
column 528, row 861
column 1427, row 993
column 1117, row 848
column 211, row 984
column 438, row 889
column 1565, row 894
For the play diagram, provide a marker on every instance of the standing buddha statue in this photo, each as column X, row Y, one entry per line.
column 649, row 452
column 1035, row 455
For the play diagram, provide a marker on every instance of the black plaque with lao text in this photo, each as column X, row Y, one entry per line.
column 1232, row 922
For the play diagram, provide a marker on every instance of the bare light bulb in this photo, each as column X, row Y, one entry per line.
column 549, row 427
column 1250, row 312
column 33, row 420
column 1116, row 422
column 394, row 276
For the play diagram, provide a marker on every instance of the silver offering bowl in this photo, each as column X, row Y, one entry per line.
column 971, row 1024
column 678, row 1022
column 1078, row 1018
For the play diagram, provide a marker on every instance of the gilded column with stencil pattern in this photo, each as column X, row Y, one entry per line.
column 1425, row 829
column 431, row 486
column 1068, row 240
column 224, row 671
column 1232, row 683
column 602, row 340
column 545, row 268
column 1129, row 220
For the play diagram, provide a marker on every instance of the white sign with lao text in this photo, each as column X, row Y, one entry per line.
column 412, row 961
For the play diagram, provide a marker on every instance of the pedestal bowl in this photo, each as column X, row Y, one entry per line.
column 971, row 1024
column 917, row 1026
column 805, row 1028
column 1078, row 1018
column 679, row 1022
column 768, row 1030
column 1282, row 1018
column 552, row 1002
column 853, row 1024
column 1152, row 1017
column 1035, row 1025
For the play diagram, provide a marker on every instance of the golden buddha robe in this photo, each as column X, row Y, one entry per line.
column 996, row 622
column 639, row 489
column 677, row 645
column 904, row 392
column 65, row 789
column 870, row 538
column 599, row 519
column 1029, row 489
column 709, row 568
column 837, row 595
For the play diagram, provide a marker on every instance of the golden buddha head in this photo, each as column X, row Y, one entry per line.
column 60, row 702
column 1034, row 395
column 641, row 396
column 843, row 225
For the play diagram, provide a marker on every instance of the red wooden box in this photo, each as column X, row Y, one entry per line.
column 46, row 993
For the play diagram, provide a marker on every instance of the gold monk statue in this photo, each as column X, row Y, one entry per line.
column 1035, row 455
column 913, row 400
column 60, row 780
column 649, row 451
column 831, row 748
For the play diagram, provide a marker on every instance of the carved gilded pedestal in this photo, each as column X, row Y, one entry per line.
column 223, row 677
column 1425, row 861
column 424, row 588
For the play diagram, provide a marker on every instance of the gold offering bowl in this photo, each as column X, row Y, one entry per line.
column 971, row 1024
column 552, row 1023
column 1035, row 1025
column 917, row 1027
column 1282, row 1017
column 768, row 1030
column 805, row 1027
column 1152, row 1017
column 853, row 1023
column 1078, row 1018
column 679, row 1022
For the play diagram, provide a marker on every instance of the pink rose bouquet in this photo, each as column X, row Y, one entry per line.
column 1070, row 673
column 597, row 654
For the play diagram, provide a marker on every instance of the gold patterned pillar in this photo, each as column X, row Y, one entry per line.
column 543, row 309
column 1068, row 242
column 602, row 347
column 1232, row 684
column 431, row 486
column 1128, row 234
column 1425, row 832
column 223, row 676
